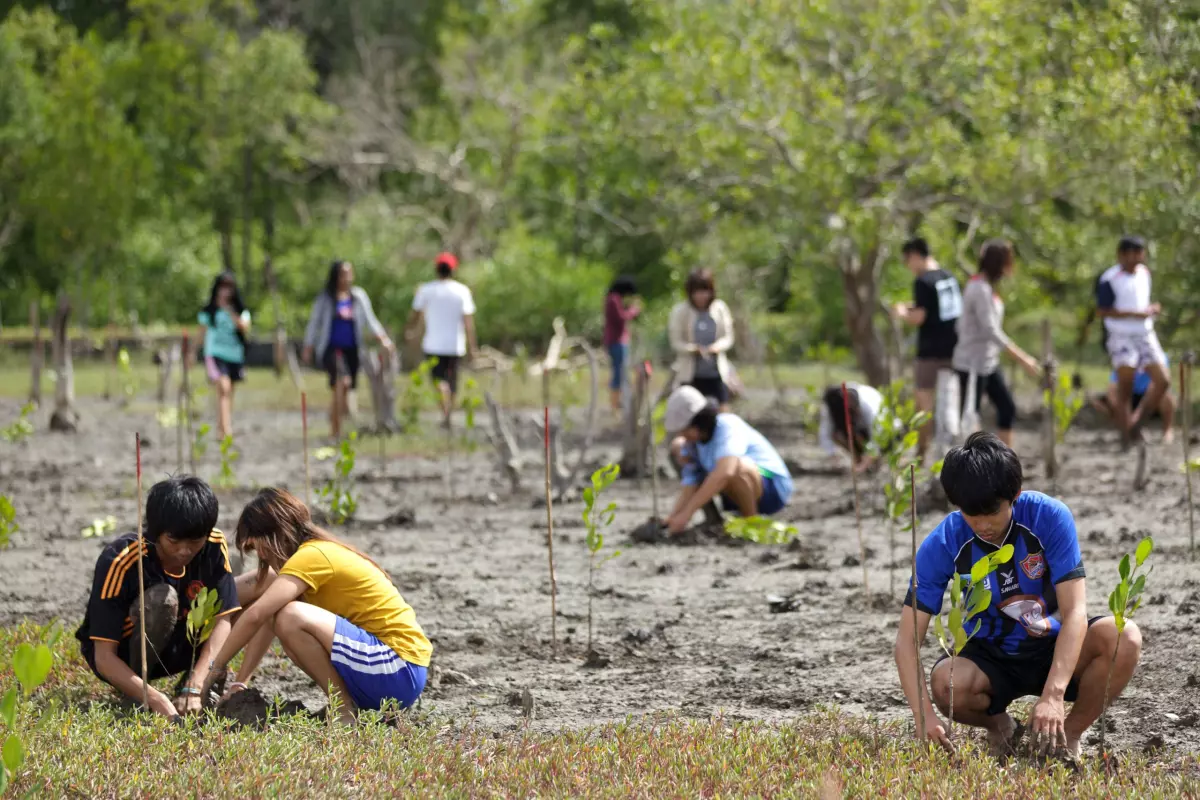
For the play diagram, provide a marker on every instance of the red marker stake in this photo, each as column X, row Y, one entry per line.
column 550, row 533
column 141, row 573
column 304, row 425
column 862, row 550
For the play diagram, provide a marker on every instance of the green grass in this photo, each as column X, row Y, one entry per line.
column 93, row 749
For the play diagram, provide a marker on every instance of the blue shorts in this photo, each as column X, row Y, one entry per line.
column 618, row 353
column 777, row 490
column 372, row 671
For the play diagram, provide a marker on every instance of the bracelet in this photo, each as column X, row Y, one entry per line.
column 238, row 685
column 190, row 690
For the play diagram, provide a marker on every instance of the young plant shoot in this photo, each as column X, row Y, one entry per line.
column 21, row 429
column 1065, row 404
column 31, row 666
column 227, row 479
column 597, row 519
column 968, row 599
column 201, row 619
column 338, row 494
column 1125, row 599
column 8, row 521
column 898, row 430
column 200, row 443
column 760, row 530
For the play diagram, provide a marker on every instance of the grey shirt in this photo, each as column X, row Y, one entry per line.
column 981, row 335
column 704, row 335
column 320, row 321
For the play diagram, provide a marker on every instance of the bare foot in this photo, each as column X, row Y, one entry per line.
column 1168, row 437
column 1002, row 741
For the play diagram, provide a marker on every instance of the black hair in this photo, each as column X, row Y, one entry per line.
column 916, row 245
column 835, row 404
column 1130, row 244
column 236, row 302
column 995, row 257
column 331, row 283
column 184, row 507
column 443, row 269
column 623, row 286
column 981, row 474
column 705, row 421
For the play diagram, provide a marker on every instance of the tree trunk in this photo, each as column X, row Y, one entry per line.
column 247, row 208
column 65, row 417
column 861, row 291
column 224, row 224
column 380, row 369
column 36, row 356
column 635, row 450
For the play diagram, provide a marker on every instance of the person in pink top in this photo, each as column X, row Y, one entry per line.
column 620, row 308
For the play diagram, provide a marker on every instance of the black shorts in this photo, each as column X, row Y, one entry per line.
column 349, row 360
column 175, row 659
column 445, row 370
column 712, row 388
column 1012, row 676
column 217, row 367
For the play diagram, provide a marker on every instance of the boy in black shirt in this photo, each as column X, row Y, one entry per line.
column 937, row 305
column 183, row 554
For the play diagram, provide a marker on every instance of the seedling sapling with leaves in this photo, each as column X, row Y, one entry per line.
column 125, row 373
column 226, row 478
column 338, row 494
column 99, row 527
column 968, row 599
column 416, row 395
column 1125, row 599
column 201, row 619
column 200, row 442
column 31, row 666
column 21, row 429
column 760, row 530
column 1065, row 404
column 897, row 431
column 597, row 519
column 8, row 521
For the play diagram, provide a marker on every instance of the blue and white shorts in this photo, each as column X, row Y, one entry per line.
column 372, row 671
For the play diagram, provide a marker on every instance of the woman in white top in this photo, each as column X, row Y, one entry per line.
column 981, row 338
column 865, row 402
column 701, row 333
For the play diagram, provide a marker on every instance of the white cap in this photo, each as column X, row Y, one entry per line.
column 683, row 404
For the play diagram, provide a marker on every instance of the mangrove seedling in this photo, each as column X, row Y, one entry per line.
column 471, row 402
column 1125, row 599
column 226, row 479
column 760, row 530
column 896, row 433
column 1064, row 404
column 417, row 395
column 200, row 442
column 597, row 519
column 21, row 429
column 8, row 521
column 201, row 619
column 99, row 527
column 31, row 666
column 338, row 493
column 968, row 599
column 125, row 373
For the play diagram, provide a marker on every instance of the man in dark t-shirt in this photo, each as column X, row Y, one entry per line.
column 182, row 554
column 936, row 307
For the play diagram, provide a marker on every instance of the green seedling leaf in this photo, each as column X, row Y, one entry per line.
column 1123, row 568
column 980, row 569
column 13, row 753
column 3, row 781
column 1144, row 548
column 32, row 666
column 8, row 707
column 1002, row 556
column 1112, row 604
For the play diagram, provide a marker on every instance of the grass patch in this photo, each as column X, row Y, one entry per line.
column 93, row 749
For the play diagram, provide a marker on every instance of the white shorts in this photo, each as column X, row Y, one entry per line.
column 1135, row 350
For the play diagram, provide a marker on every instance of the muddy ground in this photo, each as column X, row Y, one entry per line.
column 683, row 629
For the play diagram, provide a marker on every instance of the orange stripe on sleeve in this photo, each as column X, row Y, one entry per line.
column 113, row 567
column 120, row 578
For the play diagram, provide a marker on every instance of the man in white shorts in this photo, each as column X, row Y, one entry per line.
column 1123, row 302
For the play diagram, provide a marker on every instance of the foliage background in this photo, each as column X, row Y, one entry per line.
column 791, row 146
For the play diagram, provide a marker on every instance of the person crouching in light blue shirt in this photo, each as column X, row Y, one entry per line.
column 722, row 456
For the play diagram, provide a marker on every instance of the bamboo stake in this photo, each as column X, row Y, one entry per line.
column 186, row 391
column 141, row 574
column 304, row 427
column 550, row 516
column 862, row 549
column 649, row 371
column 1185, row 393
column 912, row 489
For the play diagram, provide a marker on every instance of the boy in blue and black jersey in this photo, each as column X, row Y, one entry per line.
column 1035, row 637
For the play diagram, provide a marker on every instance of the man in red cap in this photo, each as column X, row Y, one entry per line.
column 448, row 311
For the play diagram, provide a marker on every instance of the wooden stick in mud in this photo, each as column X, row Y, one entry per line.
column 862, row 549
column 1185, row 396
column 550, row 522
column 37, row 357
column 141, row 575
column 304, row 429
column 912, row 498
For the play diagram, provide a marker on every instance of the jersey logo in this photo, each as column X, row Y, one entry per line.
column 1009, row 580
column 193, row 589
column 1034, row 565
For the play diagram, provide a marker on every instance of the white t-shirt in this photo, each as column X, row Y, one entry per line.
column 444, row 304
column 1125, row 291
column 869, row 400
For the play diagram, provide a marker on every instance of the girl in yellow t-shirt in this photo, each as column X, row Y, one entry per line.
column 335, row 610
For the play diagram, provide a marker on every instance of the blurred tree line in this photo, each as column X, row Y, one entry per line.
column 790, row 145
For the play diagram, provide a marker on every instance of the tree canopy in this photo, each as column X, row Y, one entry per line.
column 790, row 146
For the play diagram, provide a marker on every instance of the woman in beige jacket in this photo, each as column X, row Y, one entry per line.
column 701, row 332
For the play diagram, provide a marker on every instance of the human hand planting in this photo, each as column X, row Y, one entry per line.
column 935, row 731
column 1048, row 724
column 188, row 704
